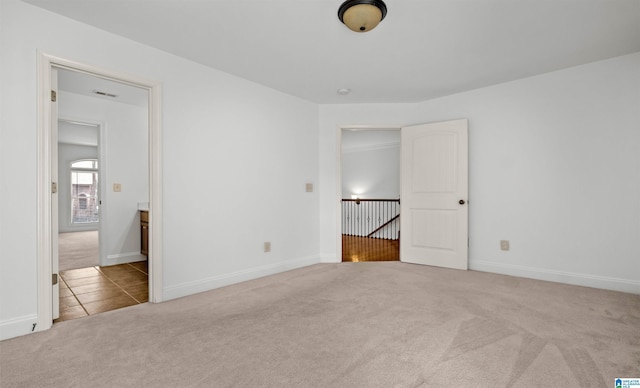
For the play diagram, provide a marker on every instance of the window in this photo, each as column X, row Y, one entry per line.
column 85, row 204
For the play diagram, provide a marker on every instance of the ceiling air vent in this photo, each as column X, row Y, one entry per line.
column 104, row 94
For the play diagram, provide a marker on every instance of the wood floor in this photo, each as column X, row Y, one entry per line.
column 369, row 249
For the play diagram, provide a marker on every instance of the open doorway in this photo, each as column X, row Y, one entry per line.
column 370, row 204
column 433, row 172
column 102, row 265
column 47, row 180
column 79, row 192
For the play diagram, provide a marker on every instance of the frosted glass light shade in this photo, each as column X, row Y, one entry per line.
column 362, row 15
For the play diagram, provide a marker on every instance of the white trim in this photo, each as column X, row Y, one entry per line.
column 338, row 198
column 122, row 258
column 82, row 145
column 578, row 279
column 18, row 326
column 88, row 227
column 329, row 258
column 45, row 62
column 371, row 127
column 371, row 147
column 103, row 238
column 156, row 273
column 197, row 286
column 44, row 203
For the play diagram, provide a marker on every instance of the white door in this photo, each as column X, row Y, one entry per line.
column 434, row 191
column 55, row 294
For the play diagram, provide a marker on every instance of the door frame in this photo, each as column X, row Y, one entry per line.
column 338, row 202
column 45, row 62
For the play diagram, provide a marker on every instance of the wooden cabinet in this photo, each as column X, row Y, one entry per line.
column 144, row 232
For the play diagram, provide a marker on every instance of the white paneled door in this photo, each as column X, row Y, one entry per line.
column 434, row 192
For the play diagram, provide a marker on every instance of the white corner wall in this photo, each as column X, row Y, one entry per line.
column 373, row 173
column 370, row 163
column 236, row 158
column 553, row 163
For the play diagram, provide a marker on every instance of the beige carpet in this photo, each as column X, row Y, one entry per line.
column 384, row 324
column 78, row 250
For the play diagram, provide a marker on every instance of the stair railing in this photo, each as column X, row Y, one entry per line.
column 375, row 218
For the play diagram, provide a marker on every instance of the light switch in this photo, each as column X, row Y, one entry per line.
column 117, row 187
column 309, row 187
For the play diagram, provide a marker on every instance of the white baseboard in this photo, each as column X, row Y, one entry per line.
column 18, row 326
column 578, row 279
column 73, row 229
column 125, row 258
column 190, row 288
column 328, row 258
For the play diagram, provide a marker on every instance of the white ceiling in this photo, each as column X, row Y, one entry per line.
column 423, row 49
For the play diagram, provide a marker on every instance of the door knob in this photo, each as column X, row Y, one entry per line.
column 461, row 202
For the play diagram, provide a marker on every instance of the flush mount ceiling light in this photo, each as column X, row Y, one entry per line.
column 362, row 15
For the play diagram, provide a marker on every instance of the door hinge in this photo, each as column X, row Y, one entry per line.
column 54, row 187
column 54, row 96
column 54, row 279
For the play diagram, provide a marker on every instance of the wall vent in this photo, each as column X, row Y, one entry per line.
column 105, row 94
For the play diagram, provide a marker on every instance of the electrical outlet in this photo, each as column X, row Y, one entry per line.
column 267, row 246
column 504, row 245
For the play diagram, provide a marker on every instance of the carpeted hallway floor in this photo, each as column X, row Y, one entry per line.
column 384, row 324
column 78, row 250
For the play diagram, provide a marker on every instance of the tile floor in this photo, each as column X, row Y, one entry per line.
column 93, row 290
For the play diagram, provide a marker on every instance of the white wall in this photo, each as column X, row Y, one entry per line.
column 236, row 157
column 371, row 173
column 554, row 168
column 125, row 142
column 68, row 153
column 371, row 164
column 70, row 132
